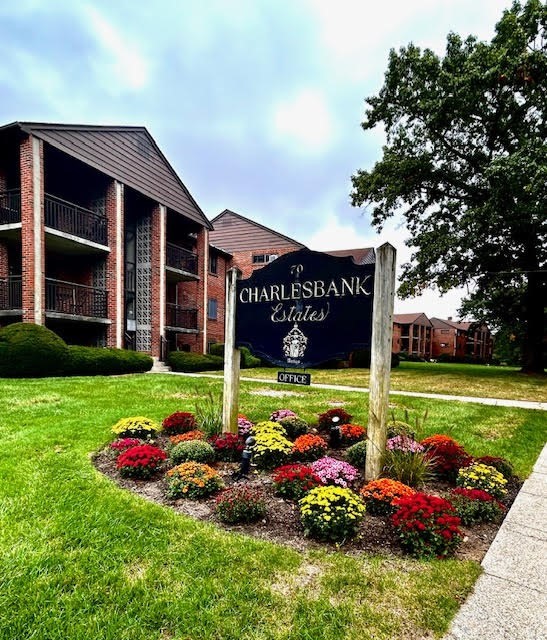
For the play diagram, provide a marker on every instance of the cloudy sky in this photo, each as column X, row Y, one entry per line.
column 256, row 103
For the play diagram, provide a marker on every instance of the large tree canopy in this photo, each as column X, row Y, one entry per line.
column 465, row 162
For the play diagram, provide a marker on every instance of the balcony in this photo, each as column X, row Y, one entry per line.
column 182, row 318
column 71, row 299
column 72, row 219
column 10, row 207
column 181, row 264
column 11, row 294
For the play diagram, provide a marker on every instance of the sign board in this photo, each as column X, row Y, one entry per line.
column 305, row 308
column 294, row 378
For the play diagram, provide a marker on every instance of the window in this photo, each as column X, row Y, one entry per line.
column 445, row 330
column 212, row 309
column 263, row 258
column 213, row 263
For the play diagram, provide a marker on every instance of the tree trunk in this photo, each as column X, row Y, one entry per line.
column 534, row 347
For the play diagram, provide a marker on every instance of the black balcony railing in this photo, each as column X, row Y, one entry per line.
column 11, row 293
column 71, row 218
column 76, row 299
column 10, row 206
column 181, row 317
column 182, row 259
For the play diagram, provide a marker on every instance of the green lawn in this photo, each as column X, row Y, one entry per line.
column 82, row 559
column 428, row 377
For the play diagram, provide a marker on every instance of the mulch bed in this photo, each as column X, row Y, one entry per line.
column 282, row 523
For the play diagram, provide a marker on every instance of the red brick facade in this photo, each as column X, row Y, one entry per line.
column 243, row 260
column 32, row 175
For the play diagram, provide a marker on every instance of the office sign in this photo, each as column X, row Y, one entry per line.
column 305, row 308
column 294, row 378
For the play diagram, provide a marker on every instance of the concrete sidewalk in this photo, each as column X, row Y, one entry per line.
column 497, row 402
column 510, row 598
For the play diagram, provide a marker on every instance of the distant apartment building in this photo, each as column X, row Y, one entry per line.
column 412, row 334
column 461, row 340
column 100, row 240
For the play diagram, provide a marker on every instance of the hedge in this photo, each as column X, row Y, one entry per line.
column 31, row 351
column 97, row 361
column 189, row 362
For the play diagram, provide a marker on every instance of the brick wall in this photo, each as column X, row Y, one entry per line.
column 113, row 269
column 28, row 231
column 217, row 291
column 243, row 260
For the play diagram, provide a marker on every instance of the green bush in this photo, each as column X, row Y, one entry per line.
column 31, row 351
column 357, row 454
column 192, row 451
column 294, row 426
column 248, row 361
column 191, row 362
column 98, row 361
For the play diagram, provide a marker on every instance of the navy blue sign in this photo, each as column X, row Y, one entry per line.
column 305, row 308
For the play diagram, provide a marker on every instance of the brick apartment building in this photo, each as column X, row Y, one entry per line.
column 412, row 334
column 461, row 340
column 99, row 238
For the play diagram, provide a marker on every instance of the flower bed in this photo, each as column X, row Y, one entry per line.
column 297, row 500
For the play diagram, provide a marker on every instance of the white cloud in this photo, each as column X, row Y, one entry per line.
column 333, row 234
column 305, row 122
column 121, row 57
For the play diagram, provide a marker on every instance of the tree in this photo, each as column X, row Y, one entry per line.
column 465, row 163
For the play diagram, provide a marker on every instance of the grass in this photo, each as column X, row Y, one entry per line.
column 80, row 558
column 443, row 378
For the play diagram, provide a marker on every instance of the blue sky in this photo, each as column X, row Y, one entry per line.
column 257, row 104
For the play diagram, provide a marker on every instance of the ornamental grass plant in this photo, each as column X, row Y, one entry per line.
column 412, row 468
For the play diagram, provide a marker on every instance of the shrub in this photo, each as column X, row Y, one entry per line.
column 414, row 469
column 278, row 415
column 31, row 351
column 427, row 526
column 140, row 461
column 447, row 456
column 331, row 513
column 357, row 454
column 332, row 471
column 501, row 464
column 352, row 433
column 240, row 504
column 294, row 426
column 244, row 425
column 482, row 476
column 325, row 419
column 122, row 444
column 179, row 422
column 208, row 410
column 192, row 480
column 309, row 447
column 380, row 495
column 400, row 428
column 196, row 434
column 271, row 448
column 136, row 427
column 103, row 361
column 474, row 506
column 293, row 481
column 191, row 362
column 228, row 447
column 192, row 451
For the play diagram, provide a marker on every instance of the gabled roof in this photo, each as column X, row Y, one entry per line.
column 125, row 153
column 234, row 232
column 439, row 323
column 411, row 318
column 360, row 256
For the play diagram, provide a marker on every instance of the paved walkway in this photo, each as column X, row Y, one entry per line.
column 510, row 598
column 498, row 402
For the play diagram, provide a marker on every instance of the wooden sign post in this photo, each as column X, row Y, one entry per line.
column 380, row 359
column 232, row 357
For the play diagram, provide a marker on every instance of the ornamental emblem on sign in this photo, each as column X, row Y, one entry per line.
column 294, row 343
